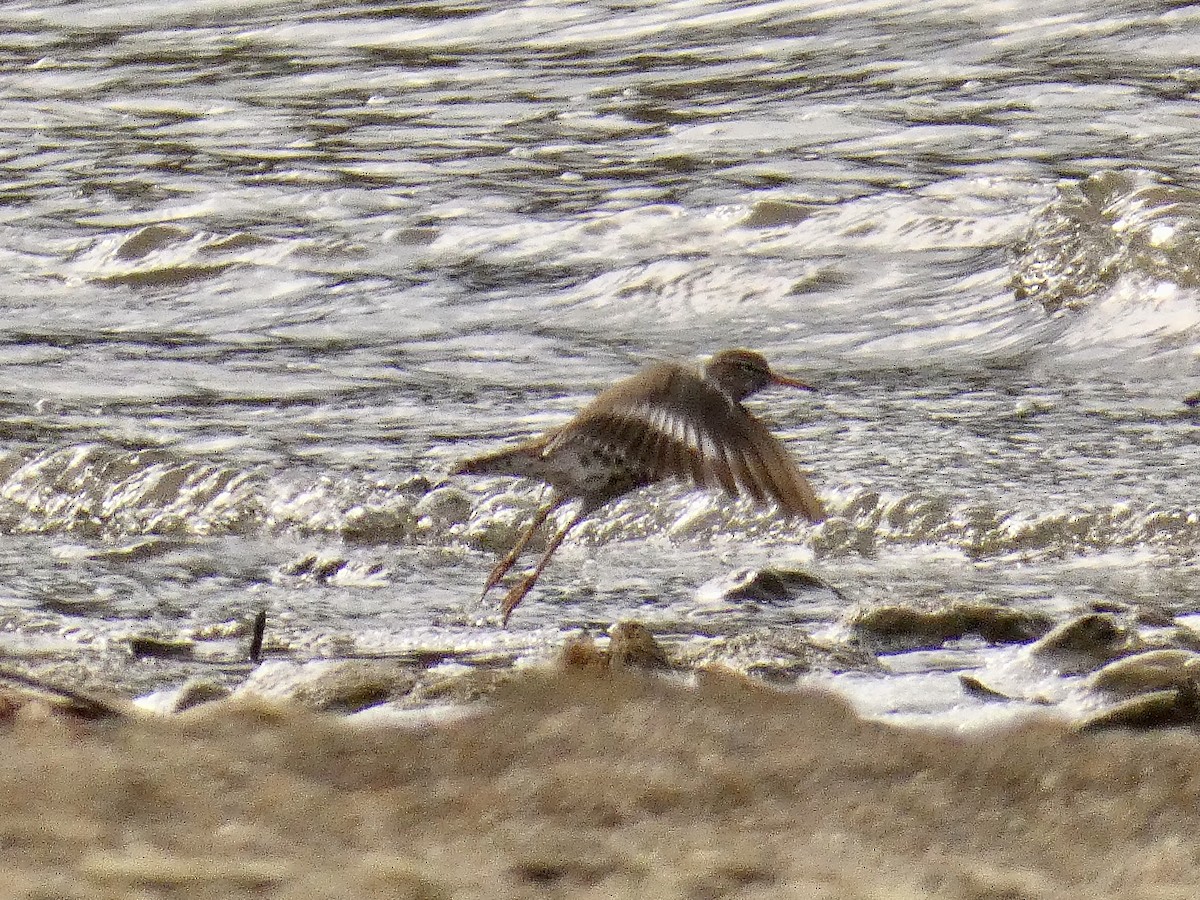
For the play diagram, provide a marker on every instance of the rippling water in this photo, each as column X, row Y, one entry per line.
column 269, row 268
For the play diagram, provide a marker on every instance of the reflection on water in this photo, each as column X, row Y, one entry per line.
column 271, row 267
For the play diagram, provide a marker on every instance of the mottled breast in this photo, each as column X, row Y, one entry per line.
column 592, row 471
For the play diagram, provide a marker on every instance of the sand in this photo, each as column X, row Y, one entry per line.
column 582, row 784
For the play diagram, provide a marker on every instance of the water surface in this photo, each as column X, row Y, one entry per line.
column 270, row 268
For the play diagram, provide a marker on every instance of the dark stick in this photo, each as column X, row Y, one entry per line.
column 256, row 638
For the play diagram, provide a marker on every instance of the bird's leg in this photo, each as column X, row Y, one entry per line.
column 518, row 591
column 501, row 568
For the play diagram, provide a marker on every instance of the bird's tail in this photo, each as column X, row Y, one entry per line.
column 498, row 462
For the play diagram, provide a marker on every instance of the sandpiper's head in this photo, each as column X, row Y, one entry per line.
column 740, row 373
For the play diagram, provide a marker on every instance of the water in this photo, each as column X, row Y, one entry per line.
column 270, row 268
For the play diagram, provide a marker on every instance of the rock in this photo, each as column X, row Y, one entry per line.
column 1158, row 709
column 1154, row 670
column 343, row 687
column 980, row 691
column 911, row 627
column 762, row 585
column 632, row 646
column 1154, row 616
column 1086, row 642
column 499, row 521
column 1149, row 614
column 773, row 213
column 838, row 536
column 197, row 693
column 581, row 652
column 380, row 524
column 160, row 648
column 315, row 565
column 415, row 485
column 327, row 567
column 353, row 686
column 445, row 506
column 30, row 696
column 456, row 685
column 773, row 654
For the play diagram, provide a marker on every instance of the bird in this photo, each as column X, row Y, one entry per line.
column 666, row 421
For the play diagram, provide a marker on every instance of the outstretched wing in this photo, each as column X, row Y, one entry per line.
column 669, row 422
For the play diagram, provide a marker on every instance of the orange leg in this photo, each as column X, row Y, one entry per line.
column 521, row 588
column 502, row 567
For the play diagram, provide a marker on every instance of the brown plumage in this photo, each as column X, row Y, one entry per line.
column 667, row 421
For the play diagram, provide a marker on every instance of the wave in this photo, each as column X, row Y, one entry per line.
column 104, row 492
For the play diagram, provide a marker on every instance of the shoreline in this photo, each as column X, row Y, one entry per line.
column 596, row 783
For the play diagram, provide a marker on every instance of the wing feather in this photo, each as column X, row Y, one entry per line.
column 784, row 481
column 671, row 423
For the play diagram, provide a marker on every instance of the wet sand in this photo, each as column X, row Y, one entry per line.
column 583, row 784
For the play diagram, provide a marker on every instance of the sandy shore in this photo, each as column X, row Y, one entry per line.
column 594, row 785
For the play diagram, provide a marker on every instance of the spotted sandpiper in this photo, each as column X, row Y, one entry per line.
column 666, row 421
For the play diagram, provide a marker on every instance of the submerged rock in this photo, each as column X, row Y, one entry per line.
column 1158, row 709
column 161, row 648
column 768, row 585
column 1184, row 638
column 336, row 568
column 445, row 506
column 1087, row 642
column 415, row 485
column 973, row 687
column 354, row 686
column 453, row 685
column 28, row 696
column 316, row 565
column 838, row 536
column 773, row 213
column 498, row 522
column 1154, row 670
column 197, row 693
column 912, row 627
column 582, row 652
column 343, row 687
column 777, row 654
column 631, row 646
column 387, row 523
